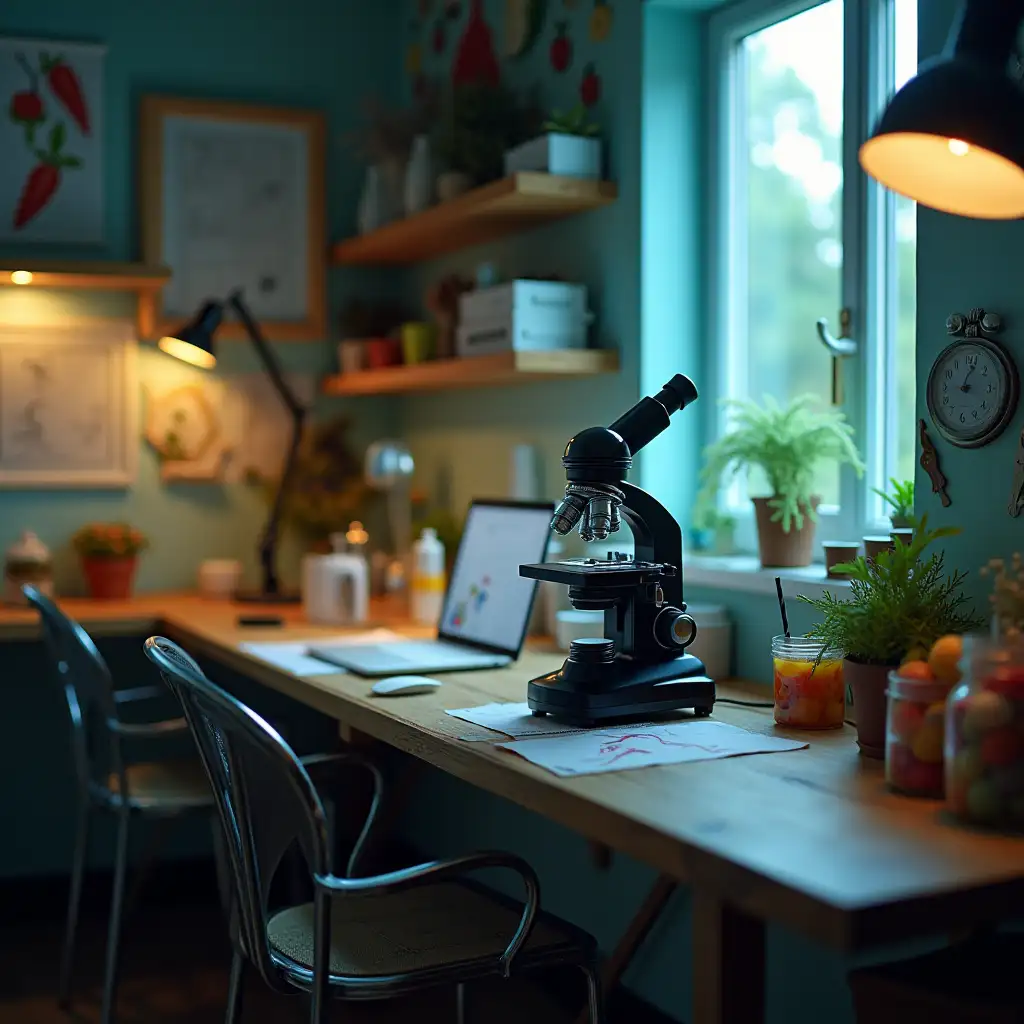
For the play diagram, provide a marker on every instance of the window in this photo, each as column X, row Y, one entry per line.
column 800, row 234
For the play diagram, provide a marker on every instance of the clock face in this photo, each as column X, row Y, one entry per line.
column 972, row 392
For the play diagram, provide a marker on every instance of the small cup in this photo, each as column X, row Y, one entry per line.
column 837, row 552
column 351, row 355
column 904, row 533
column 874, row 546
column 417, row 342
column 381, row 352
column 809, row 694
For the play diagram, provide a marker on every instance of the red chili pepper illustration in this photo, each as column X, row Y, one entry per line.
column 27, row 105
column 43, row 180
column 590, row 87
column 67, row 88
column 560, row 53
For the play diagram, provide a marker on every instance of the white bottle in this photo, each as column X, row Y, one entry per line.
column 419, row 177
column 428, row 578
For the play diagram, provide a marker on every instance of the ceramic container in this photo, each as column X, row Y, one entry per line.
column 27, row 561
column 836, row 553
column 219, row 578
column 874, row 546
column 419, row 177
column 352, row 355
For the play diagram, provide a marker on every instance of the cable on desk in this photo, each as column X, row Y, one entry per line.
column 745, row 703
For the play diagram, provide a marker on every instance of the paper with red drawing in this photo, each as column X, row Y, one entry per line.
column 642, row 746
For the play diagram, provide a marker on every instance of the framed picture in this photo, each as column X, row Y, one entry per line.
column 69, row 405
column 51, row 138
column 233, row 197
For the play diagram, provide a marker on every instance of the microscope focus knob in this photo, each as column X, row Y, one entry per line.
column 591, row 650
column 674, row 629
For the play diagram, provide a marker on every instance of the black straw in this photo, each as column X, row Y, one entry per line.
column 782, row 606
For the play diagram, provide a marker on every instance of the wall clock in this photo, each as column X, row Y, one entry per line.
column 973, row 386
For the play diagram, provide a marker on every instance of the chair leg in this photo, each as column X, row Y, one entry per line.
column 222, row 869
column 234, row 1014
column 114, row 929
column 460, row 1003
column 595, row 997
column 67, row 962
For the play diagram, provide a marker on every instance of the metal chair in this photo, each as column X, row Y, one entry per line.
column 106, row 780
column 362, row 937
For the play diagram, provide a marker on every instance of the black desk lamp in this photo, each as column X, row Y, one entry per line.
column 194, row 343
column 953, row 137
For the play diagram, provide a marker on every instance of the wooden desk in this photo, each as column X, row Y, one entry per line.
column 810, row 839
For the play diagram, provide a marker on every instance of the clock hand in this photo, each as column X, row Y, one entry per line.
column 965, row 386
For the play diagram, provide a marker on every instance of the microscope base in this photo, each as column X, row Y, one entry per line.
column 622, row 690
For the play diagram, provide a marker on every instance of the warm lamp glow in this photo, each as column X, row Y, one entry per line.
column 21, row 277
column 968, row 180
column 187, row 353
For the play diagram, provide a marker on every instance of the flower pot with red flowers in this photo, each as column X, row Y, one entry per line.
column 109, row 553
column 899, row 603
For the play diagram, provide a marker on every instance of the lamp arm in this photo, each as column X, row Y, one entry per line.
column 268, row 542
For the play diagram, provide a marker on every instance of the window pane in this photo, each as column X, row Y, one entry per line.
column 903, row 422
column 787, row 236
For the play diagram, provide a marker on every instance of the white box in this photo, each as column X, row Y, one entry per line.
column 573, row 156
column 522, row 316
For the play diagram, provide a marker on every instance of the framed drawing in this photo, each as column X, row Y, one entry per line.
column 51, row 138
column 233, row 197
column 69, row 405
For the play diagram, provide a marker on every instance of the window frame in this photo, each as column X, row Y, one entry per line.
column 868, row 213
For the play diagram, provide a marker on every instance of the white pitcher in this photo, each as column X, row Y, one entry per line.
column 335, row 589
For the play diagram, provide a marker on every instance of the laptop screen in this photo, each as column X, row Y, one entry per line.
column 488, row 602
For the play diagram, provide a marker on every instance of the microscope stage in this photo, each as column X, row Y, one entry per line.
column 643, row 691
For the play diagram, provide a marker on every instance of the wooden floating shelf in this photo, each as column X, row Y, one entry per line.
column 475, row 371
column 126, row 277
column 504, row 207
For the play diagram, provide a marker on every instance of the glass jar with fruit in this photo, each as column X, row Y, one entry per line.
column 985, row 736
column 809, row 688
column 915, row 732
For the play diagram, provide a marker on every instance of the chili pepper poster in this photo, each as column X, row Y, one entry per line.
column 51, row 138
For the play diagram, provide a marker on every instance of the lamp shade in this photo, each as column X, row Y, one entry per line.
column 194, row 343
column 953, row 137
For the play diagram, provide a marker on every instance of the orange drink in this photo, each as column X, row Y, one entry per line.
column 809, row 694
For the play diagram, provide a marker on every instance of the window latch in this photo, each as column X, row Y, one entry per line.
column 839, row 349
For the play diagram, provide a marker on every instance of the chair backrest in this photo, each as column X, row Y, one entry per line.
column 265, row 798
column 88, row 689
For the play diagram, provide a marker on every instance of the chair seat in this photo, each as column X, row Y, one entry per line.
column 167, row 786
column 431, row 927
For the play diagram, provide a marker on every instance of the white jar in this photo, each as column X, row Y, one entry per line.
column 27, row 561
column 714, row 639
column 427, row 591
column 219, row 578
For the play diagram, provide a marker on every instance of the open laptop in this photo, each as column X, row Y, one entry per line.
column 486, row 606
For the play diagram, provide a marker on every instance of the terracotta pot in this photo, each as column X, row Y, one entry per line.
column 777, row 548
column 381, row 352
column 868, row 684
column 109, row 579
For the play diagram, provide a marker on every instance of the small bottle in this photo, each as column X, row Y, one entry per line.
column 428, row 578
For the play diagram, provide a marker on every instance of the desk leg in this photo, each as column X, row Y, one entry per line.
column 728, row 963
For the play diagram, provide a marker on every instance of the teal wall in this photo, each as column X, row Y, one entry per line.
column 317, row 54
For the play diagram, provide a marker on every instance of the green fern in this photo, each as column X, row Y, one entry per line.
column 787, row 443
column 897, row 602
column 901, row 501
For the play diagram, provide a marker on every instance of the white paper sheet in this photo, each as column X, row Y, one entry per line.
column 515, row 720
column 291, row 656
column 637, row 746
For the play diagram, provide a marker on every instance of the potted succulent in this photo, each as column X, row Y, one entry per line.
column 570, row 145
column 109, row 553
column 787, row 443
column 901, row 502
column 899, row 604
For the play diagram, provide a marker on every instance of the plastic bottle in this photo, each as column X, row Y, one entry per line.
column 428, row 578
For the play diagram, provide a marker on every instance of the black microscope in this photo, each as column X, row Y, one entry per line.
column 640, row 668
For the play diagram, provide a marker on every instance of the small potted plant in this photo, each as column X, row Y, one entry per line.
column 109, row 553
column 717, row 529
column 570, row 146
column 901, row 503
column 787, row 443
column 899, row 604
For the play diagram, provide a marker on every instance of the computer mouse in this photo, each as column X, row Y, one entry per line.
column 404, row 686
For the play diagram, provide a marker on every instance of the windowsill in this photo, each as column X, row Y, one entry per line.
column 744, row 573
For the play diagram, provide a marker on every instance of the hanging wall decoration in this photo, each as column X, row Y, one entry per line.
column 1017, row 493
column 590, row 87
column 524, row 20
column 560, row 53
column 601, row 21
column 475, row 59
column 930, row 464
column 51, row 138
